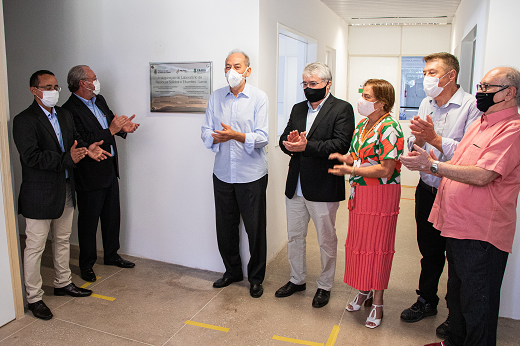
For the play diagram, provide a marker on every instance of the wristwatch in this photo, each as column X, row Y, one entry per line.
column 435, row 167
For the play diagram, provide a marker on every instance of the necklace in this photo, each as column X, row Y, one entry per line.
column 363, row 135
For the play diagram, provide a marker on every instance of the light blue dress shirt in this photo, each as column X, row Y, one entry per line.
column 98, row 113
column 311, row 116
column 451, row 122
column 53, row 118
column 248, row 113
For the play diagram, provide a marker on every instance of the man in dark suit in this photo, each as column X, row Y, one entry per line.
column 317, row 128
column 97, row 182
column 49, row 147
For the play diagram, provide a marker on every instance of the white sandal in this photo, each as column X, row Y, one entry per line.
column 372, row 317
column 354, row 304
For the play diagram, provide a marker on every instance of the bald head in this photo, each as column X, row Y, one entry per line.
column 503, row 85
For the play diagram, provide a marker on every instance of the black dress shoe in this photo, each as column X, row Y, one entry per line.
column 321, row 298
column 121, row 263
column 288, row 289
column 88, row 275
column 256, row 290
column 40, row 310
column 72, row 290
column 419, row 310
column 225, row 281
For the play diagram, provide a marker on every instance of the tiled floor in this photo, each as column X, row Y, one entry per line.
column 154, row 300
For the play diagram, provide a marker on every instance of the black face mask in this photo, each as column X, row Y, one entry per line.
column 485, row 100
column 314, row 95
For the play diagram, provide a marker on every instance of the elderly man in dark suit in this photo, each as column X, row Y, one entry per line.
column 97, row 182
column 317, row 128
column 49, row 147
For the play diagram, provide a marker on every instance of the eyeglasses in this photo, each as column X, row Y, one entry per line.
column 49, row 88
column 484, row 87
column 310, row 84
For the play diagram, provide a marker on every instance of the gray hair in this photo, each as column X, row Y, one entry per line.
column 512, row 78
column 318, row 68
column 246, row 57
column 76, row 74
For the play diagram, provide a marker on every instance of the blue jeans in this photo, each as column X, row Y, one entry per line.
column 475, row 272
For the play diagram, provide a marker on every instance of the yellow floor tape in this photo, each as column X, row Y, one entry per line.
column 333, row 336
column 102, row 297
column 209, row 326
column 296, row 341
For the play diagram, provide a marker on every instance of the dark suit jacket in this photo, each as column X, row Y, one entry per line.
column 43, row 190
column 90, row 174
column 331, row 132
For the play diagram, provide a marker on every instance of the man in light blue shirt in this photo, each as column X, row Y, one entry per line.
column 236, row 130
column 444, row 116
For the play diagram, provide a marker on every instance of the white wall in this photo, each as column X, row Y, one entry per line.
column 311, row 18
column 166, row 172
column 166, row 184
column 383, row 45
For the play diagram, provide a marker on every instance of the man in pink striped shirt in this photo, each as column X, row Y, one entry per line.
column 475, row 208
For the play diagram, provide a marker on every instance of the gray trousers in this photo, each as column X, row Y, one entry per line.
column 323, row 214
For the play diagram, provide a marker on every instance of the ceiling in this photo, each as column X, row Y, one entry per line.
column 381, row 12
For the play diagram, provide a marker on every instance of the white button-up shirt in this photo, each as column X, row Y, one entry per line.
column 247, row 113
column 451, row 122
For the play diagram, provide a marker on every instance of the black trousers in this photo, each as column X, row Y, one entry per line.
column 475, row 272
column 94, row 206
column 431, row 244
column 249, row 201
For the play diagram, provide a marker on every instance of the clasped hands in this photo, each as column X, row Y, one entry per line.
column 296, row 142
column 94, row 151
column 227, row 134
column 123, row 123
column 424, row 131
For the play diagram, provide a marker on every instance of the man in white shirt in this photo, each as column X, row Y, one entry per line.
column 444, row 116
column 236, row 130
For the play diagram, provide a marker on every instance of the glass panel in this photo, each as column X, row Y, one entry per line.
column 412, row 92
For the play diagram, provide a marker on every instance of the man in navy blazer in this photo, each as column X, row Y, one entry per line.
column 49, row 149
column 97, row 184
column 317, row 128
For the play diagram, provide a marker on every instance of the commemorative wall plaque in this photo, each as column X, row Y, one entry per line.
column 180, row 87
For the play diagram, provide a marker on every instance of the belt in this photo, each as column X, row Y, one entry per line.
column 427, row 187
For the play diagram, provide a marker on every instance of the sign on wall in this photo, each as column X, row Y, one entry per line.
column 180, row 87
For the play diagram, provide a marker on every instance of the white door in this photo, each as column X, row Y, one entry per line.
column 388, row 68
column 6, row 288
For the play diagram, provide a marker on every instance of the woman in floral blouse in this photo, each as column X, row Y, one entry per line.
column 374, row 168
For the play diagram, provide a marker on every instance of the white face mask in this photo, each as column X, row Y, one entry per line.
column 365, row 108
column 234, row 78
column 97, row 87
column 50, row 97
column 431, row 86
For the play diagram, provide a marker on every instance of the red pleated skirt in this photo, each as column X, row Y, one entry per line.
column 369, row 249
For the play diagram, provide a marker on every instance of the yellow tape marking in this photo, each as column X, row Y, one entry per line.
column 209, row 326
column 333, row 336
column 296, row 341
column 88, row 283
column 102, row 297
